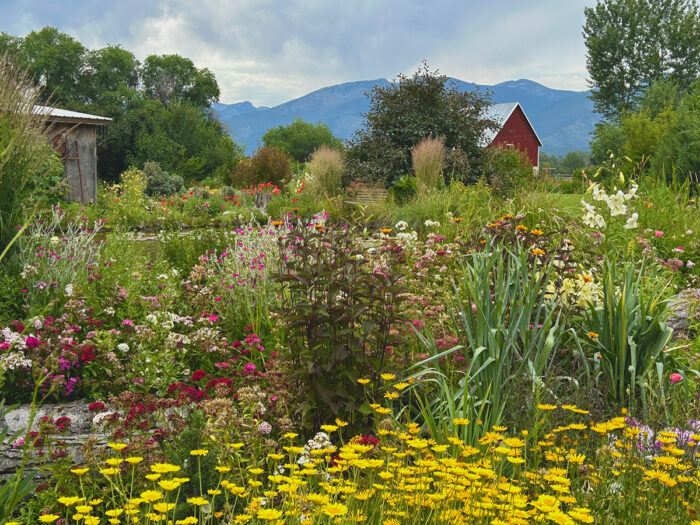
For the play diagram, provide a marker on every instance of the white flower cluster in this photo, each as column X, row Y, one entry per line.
column 407, row 237
column 14, row 360
column 12, row 338
column 431, row 224
column 617, row 204
column 165, row 319
column 319, row 441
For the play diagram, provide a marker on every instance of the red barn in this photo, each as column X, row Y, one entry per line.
column 514, row 131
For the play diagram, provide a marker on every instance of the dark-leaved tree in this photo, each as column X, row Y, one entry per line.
column 409, row 110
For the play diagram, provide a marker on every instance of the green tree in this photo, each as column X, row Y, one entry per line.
column 161, row 111
column 606, row 137
column 10, row 47
column 172, row 78
column 574, row 160
column 107, row 70
column 183, row 139
column 409, row 110
column 550, row 162
column 300, row 139
column 643, row 134
column 56, row 61
column 631, row 43
column 662, row 94
column 679, row 150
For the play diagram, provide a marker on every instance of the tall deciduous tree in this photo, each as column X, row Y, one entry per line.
column 631, row 43
column 172, row 78
column 409, row 110
column 161, row 111
column 56, row 61
column 107, row 70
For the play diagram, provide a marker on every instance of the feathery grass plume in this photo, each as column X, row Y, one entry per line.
column 24, row 152
column 427, row 157
column 326, row 167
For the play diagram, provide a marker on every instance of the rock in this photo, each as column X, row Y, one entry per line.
column 261, row 201
column 681, row 306
column 77, row 433
column 77, row 411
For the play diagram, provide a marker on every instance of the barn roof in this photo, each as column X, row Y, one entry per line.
column 500, row 113
column 63, row 115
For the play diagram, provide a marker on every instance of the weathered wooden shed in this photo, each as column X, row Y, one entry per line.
column 74, row 136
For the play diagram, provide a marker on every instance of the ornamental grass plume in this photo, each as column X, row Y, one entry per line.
column 427, row 157
column 326, row 167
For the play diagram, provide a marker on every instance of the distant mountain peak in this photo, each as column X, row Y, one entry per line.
column 563, row 119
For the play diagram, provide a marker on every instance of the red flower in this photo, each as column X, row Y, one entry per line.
column 97, row 405
column 62, row 423
column 198, row 374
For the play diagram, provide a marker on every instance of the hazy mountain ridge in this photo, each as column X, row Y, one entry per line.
column 563, row 119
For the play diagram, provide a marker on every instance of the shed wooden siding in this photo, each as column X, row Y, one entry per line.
column 517, row 131
column 84, row 138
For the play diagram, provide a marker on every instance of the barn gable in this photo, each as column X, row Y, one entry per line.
column 514, row 131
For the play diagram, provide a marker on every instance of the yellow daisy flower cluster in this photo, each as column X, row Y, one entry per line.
column 541, row 475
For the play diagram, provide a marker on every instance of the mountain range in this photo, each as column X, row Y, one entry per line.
column 562, row 119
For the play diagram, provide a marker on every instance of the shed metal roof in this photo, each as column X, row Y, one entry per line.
column 500, row 113
column 63, row 115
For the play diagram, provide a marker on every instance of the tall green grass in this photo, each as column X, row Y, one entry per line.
column 629, row 332
column 24, row 152
column 508, row 332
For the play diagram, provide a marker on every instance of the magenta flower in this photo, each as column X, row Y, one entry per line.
column 658, row 233
column 675, row 378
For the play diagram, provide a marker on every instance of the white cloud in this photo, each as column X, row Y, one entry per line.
column 269, row 51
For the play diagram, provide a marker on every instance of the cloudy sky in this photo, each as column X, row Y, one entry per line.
column 270, row 51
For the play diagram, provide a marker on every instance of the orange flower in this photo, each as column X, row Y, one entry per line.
column 537, row 251
column 457, row 219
